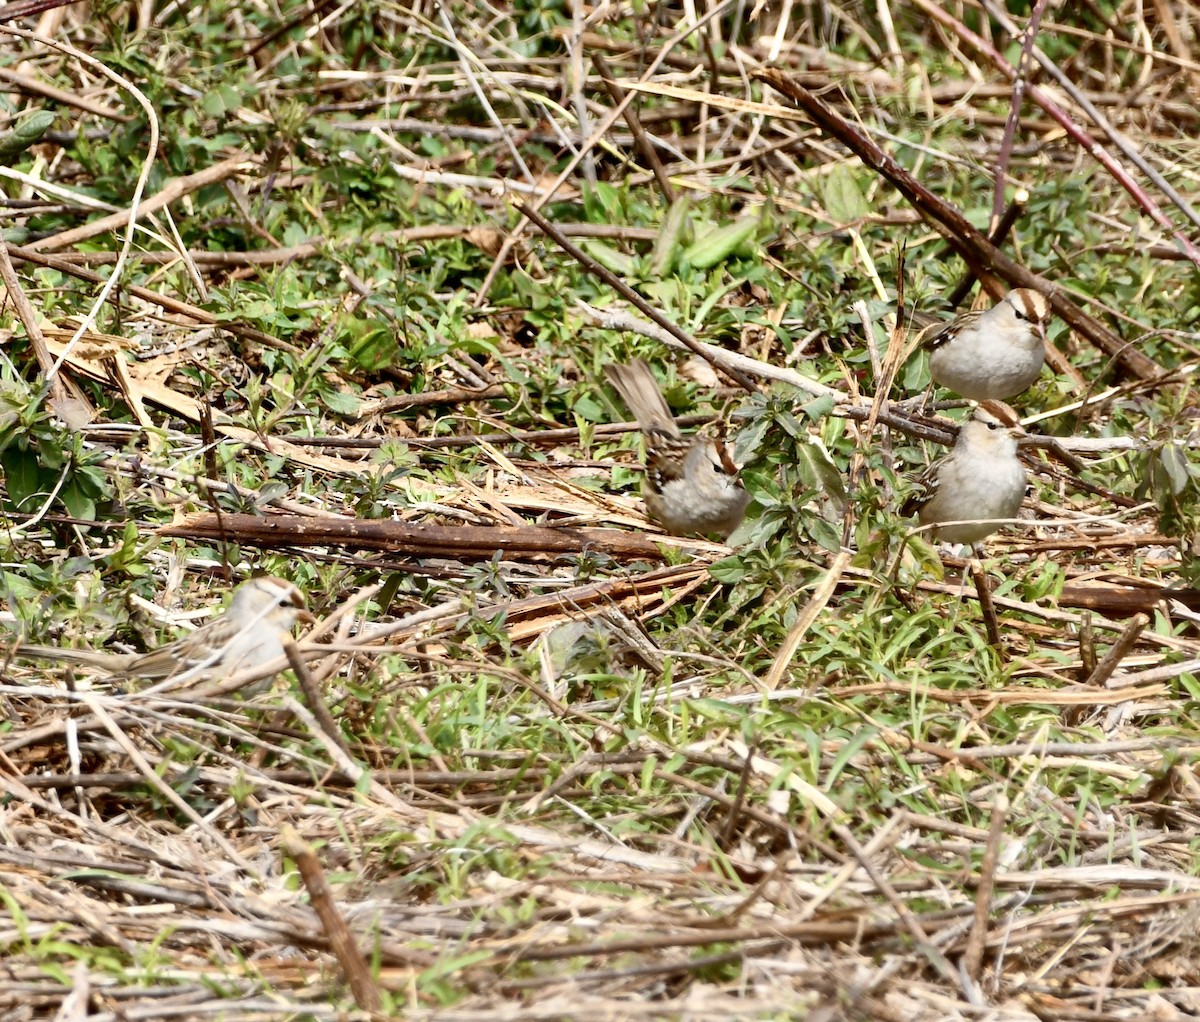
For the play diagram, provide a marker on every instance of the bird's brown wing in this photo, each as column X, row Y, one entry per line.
column 945, row 334
column 177, row 657
column 924, row 489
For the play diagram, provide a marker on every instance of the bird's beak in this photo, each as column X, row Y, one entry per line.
column 305, row 618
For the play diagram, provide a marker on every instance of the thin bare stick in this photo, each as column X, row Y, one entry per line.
column 732, row 827
column 453, row 396
column 641, row 140
column 37, row 87
column 602, row 129
column 729, row 362
column 1089, row 144
column 987, row 260
column 996, row 236
column 33, row 330
column 1125, row 642
column 312, row 696
column 143, row 177
column 28, row 8
column 1127, row 148
column 1014, row 112
column 977, row 940
column 173, row 190
column 986, row 606
column 193, row 312
column 804, row 620
column 630, row 295
column 575, row 79
column 907, row 920
column 1087, row 644
column 350, row 958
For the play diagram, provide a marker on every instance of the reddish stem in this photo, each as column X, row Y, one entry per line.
column 1090, row 145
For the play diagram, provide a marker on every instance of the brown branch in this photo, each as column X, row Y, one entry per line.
column 997, row 237
column 463, row 542
column 630, row 295
column 314, row 698
column 1120, row 649
column 350, row 958
column 36, row 87
column 977, row 940
column 988, row 261
column 565, row 434
column 1122, row 601
column 480, row 237
column 453, row 396
column 173, row 190
column 28, row 8
column 193, row 312
column 645, row 146
column 1014, row 112
column 987, row 607
column 1089, row 144
column 33, row 330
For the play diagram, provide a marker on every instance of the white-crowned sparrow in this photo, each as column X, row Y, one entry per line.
column 992, row 355
column 249, row 634
column 692, row 485
column 977, row 485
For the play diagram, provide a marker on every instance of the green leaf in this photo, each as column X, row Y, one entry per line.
column 826, row 534
column 21, row 474
column 818, row 472
column 846, row 754
column 608, row 257
column 844, row 200
column 791, row 425
column 730, row 570
column 590, row 410
column 750, row 438
column 818, row 408
column 221, row 101
column 718, row 245
column 602, row 204
column 1190, row 684
column 670, row 237
column 25, row 133
column 342, row 402
column 371, row 344
column 77, row 502
column 1175, row 467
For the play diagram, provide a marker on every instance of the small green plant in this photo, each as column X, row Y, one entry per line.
column 45, row 462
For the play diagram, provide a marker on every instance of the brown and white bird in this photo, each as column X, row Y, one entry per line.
column 978, row 485
column 692, row 486
column 995, row 354
column 249, row 634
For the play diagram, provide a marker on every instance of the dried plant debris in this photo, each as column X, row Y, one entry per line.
column 330, row 298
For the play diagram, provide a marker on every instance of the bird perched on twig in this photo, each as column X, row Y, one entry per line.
column 249, row 634
column 968, row 494
column 692, row 485
column 995, row 354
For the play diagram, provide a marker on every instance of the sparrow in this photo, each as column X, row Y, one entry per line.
column 692, row 486
column 992, row 355
column 977, row 485
column 249, row 634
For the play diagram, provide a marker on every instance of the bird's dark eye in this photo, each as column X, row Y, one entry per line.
column 993, row 425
